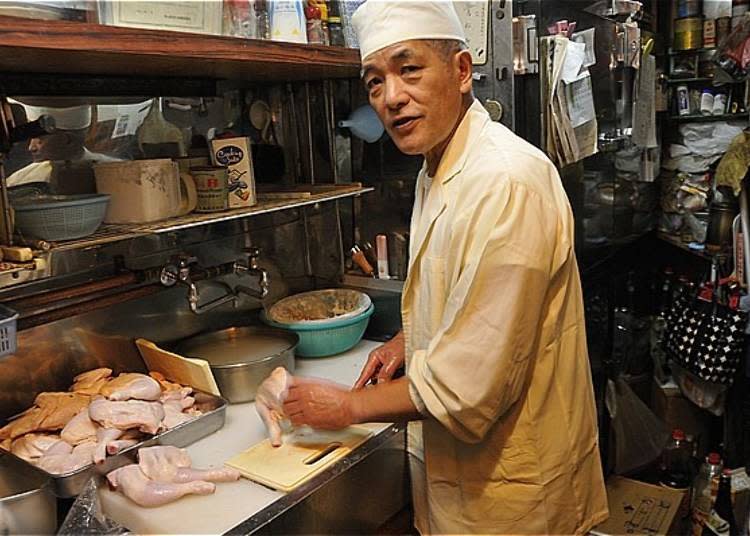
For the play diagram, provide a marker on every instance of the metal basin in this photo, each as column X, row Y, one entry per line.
column 241, row 358
column 27, row 505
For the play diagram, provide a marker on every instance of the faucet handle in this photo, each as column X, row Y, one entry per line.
column 185, row 261
column 252, row 252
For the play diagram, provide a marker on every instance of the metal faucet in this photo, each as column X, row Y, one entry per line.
column 179, row 272
column 252, row 269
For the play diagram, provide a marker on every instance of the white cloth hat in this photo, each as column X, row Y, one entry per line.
column 72, row 118
column 382, row 23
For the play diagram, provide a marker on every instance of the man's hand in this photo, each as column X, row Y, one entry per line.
column 319, row 404
column 383, row 361
column 269, row 401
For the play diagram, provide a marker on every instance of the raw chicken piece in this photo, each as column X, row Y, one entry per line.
column 118, row 445
column 79, row 429
column 172, row 464
column 132, row 385
column 104, row 436
column 175, row 403
column 33, row 446
column 269, row 403
column 6, row 443
column 166, row 385
column 55, row 463
column 51, row 412
column 91, row 382
column 146, row 416
column 135, row 485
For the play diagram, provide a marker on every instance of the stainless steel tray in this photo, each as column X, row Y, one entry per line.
column 70, row 484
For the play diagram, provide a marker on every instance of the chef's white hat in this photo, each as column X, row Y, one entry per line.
column 72, row 118
column 382, row 23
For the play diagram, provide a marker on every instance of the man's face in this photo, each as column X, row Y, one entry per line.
column 416, row 92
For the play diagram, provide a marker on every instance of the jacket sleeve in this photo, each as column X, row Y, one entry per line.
column 478, row 363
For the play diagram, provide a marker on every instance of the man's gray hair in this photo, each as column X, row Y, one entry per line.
column 447, row 48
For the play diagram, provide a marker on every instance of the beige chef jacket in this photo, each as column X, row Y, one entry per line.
column 496, row 345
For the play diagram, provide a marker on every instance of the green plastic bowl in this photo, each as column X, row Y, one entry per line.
column 323, row 339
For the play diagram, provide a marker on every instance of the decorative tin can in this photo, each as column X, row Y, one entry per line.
column 688, row 33
column 211, row 185
column 689, row 8
column 709, row 33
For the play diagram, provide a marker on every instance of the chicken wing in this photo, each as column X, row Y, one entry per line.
column 135, row 485
column 132, row 385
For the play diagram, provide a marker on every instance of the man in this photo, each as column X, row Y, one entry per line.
column 64, row 146
column 493, row 331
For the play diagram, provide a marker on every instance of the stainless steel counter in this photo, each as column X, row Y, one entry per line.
column 356, row 494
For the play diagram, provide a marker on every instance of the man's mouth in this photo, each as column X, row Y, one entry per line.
column 403, row 123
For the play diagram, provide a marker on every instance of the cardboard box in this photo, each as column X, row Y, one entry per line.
column 235, row 154
column 676, row 411
column 640, row 508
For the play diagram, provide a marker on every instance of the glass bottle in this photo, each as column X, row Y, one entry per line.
column 702, row 499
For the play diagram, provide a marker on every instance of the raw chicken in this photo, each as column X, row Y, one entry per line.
column 146, row 416
column 166, row 385
column 60, row 463
column 118, row 445
column 79, row 429
column 135, row 485
column 51, row 412
column 33, row 446
column 269, row 403
column 175, row 403
column 91, row 382
column 172, row 464
column 132, row 385
column 104, row 436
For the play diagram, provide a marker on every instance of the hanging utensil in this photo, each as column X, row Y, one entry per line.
column 158, row 138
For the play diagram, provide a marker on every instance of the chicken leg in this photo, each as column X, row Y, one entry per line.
column 132, row 385
column 172, row 464
column 135, row 485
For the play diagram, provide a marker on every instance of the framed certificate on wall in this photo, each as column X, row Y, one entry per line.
column 198, row 17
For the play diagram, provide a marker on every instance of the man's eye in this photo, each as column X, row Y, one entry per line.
column 372, row 83
column 408, row 69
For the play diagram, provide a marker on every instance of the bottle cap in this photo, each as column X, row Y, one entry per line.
column 713, row 458
column 678, row 434
column 726, row 472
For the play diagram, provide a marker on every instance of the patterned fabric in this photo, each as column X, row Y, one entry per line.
column 705, row 338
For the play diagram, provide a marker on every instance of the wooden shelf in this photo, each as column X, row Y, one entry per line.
column 676, row 242
column 63, row 47
column 707, row 118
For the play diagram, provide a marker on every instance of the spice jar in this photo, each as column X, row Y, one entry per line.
column 336, row 32
column 707, row 102
column 720, row 104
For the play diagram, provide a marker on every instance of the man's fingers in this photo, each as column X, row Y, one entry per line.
column 368, row 371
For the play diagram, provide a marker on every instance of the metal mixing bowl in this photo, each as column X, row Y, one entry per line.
column 241, row 358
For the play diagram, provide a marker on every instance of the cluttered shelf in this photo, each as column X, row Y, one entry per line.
column 268, row 202
column 32, row 46
column 707, row 118
column 675, row 241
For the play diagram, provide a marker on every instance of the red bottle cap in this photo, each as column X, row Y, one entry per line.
column 714, row 458
column 678, row 434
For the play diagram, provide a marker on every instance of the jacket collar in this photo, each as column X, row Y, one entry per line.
column 429, row 205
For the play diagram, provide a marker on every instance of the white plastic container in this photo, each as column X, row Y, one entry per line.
column 144, row 191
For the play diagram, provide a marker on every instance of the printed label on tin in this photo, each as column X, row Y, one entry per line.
column 229, row 155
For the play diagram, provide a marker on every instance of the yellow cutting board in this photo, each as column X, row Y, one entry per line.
column 303, row 455
column 185, row 370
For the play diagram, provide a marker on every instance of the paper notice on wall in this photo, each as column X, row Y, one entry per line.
column 644, row 110
column 579, row 97
column 575, row 55
column 587, row 37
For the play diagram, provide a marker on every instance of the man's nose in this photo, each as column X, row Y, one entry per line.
column 395, row 94
column 34, row 145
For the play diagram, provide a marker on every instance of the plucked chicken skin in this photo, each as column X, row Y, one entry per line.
column 51, row 412
column 79, row 429
column 135, row 485
column 33, row 446
column 146, row 416
column 91, row 382
column 132, row 385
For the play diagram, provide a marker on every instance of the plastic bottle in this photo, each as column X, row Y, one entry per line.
column 720, row 104
column 707, row 102
column 702, row 496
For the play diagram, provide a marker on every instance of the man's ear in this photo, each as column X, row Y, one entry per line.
column 465, row 71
